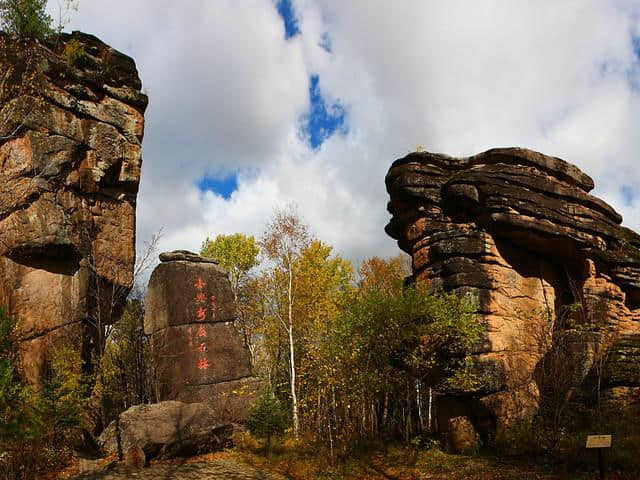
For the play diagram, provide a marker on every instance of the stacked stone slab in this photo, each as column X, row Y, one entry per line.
column 198, row 354
column 520, row 231
column 71, row 129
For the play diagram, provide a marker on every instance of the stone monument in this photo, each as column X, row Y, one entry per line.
column 198, row 354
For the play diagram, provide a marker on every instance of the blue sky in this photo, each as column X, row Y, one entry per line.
column 321, row 120
column 260, row 103
column 285, row 9
column 629, row 195
column 221, row 186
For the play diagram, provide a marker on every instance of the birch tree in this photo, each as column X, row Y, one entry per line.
column 283, row 241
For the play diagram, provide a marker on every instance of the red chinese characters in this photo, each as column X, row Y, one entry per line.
column 203, row 363
column 200, row 347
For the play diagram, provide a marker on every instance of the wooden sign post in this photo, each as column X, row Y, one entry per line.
column 599, row 442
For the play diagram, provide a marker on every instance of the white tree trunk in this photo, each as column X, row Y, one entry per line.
column 429, row 414
column 419, row 404
column 294, row 396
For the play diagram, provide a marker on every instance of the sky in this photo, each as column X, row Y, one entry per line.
column 255, row 104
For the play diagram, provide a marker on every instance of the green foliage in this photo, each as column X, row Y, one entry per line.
column 20, row 413
column 37, row 426
column 409, row 332
column 237, row 254
column 64, row 390
column 377, row 355
column 26, row 18
column 267, row 417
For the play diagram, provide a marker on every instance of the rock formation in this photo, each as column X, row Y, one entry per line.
column 556, row 276
column 71, row 126
column 198, row 354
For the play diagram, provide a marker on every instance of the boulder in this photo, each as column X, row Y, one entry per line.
column 198, row 354
column 70, row 157
column 167, row 430
column 556, row 275
column 186, row 256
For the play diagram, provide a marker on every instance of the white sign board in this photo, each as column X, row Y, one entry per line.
column 598, row 441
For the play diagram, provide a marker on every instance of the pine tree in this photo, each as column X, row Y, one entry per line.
column 267, row 417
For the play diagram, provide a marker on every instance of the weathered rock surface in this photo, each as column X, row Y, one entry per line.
column 70, row 157
column 167, row 430
column 520, row 231
column 199, row 355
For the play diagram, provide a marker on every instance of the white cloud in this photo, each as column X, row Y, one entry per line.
column 227, row 92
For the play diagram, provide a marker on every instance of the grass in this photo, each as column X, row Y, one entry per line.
column 380, row 462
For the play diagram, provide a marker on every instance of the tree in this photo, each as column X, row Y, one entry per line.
column 237, row 254
column 38, row 426
column 384, row 275
column 283, row 241
column 126, row 377
column 19, row 415
column 26, row 18
column 379, row 349
column 267, row 417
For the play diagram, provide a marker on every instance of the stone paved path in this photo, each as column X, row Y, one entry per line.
column 212, row 470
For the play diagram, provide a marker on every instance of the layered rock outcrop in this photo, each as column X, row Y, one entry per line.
column 71, row 127
column 556, row 276
column 198, row 354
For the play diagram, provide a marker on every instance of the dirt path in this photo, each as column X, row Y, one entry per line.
column 221, row 469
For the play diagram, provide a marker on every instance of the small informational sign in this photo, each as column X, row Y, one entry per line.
column 598, row 441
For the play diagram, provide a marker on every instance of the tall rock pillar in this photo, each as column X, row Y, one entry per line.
column 71, row 127
column 198, row 354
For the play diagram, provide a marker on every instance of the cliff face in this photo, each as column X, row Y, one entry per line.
column 71, row 128
column 556, row 276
